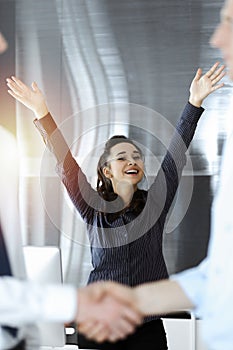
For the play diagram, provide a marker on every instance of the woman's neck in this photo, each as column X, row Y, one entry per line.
column 126, row 192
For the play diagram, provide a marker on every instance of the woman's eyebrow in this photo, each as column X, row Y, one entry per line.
column 123, row 152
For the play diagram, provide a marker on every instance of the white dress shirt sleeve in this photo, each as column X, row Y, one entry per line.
column 24, row 302
column 193, row 282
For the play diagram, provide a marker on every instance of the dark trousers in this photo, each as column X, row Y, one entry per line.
column 20, row 346
column 150, row 336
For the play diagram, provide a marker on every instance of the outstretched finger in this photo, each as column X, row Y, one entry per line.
column 19, row 82
column 13, row 86
column 218, row 75
column 216, row 87
column 198, row 74
column 212, row 70
column 218, row 78
column 35, row 86
column 220, row 69
column 18, row 97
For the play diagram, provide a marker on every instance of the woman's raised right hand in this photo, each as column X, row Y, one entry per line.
column 31, row 97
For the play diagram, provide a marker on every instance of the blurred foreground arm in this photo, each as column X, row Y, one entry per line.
column 161, row 297
column 97, row 312
column 153, row 298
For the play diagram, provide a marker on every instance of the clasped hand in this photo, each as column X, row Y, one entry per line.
column 107, row 311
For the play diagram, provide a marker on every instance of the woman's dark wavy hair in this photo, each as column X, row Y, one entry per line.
column 104, row 185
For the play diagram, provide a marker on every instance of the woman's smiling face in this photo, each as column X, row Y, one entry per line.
column 125, row 165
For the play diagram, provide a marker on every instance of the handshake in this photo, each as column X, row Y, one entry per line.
column 108, row 311
column 111, row 311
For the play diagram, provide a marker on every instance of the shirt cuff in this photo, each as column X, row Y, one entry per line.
column 60, row 304
column 193, row 283
column 192, row 113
